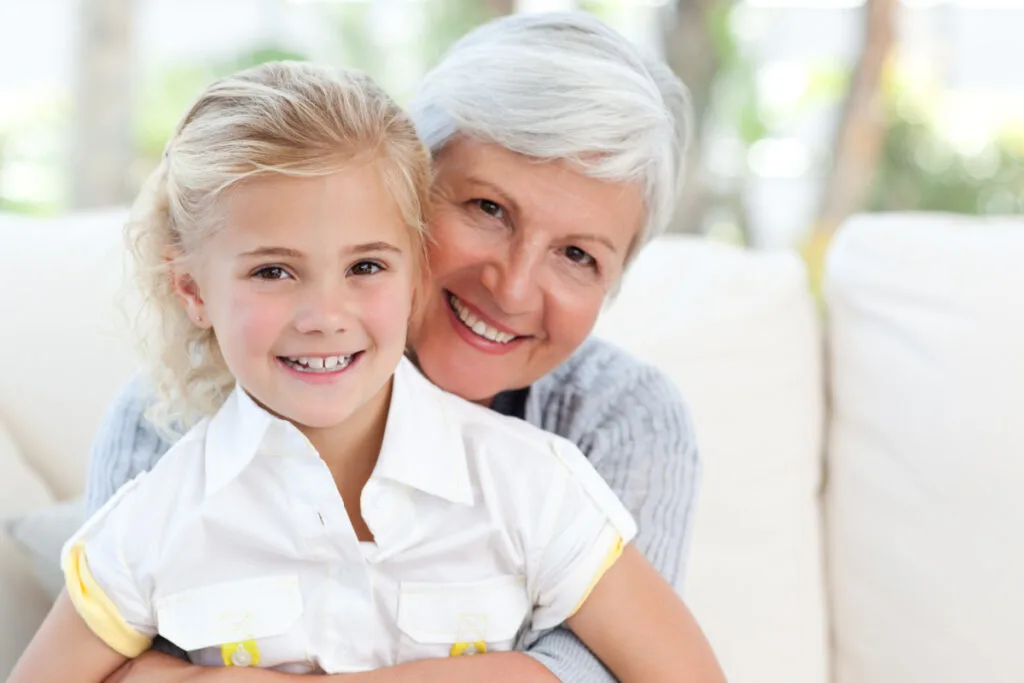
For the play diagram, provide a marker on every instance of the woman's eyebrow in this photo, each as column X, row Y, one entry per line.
column 593, row 237
column 508, row 201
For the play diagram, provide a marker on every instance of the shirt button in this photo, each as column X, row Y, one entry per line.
column 241, row 657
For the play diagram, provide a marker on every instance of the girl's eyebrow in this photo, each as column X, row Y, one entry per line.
column 372, row 246
column 273, row 251
column 293, row 253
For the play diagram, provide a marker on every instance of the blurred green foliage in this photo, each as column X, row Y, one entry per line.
column 167, row 94
column 921, row 170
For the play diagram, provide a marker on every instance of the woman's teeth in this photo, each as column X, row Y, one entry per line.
column 317, row 364
column 478, row 326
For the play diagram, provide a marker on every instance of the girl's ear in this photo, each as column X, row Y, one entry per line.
column 187, row 289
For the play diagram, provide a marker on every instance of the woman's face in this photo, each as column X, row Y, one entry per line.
column 523, row 255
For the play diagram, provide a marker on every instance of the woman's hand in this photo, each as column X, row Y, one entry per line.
column 640, row 628
column 501, row 667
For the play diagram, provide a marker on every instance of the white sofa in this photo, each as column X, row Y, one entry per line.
column 861, row 519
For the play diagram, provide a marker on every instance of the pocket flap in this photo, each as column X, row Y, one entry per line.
column 446, row 613
column 230, row 612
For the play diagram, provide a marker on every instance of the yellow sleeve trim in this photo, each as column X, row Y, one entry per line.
column 611, row 558
column 97, row 610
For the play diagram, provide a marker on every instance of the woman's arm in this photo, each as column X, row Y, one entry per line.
column 632, row 424
column 636, row 624
column 65, row 649
column 125, row 445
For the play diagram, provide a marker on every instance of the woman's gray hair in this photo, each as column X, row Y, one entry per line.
column 564, row 86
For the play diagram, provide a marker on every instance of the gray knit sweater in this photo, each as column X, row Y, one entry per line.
column 626, row 416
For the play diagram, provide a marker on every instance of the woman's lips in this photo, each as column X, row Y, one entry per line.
column 490, row 338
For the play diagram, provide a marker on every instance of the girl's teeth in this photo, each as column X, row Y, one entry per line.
column 479, row 327
column 318, row 364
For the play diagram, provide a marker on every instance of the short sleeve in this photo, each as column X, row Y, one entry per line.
column 103, row 582
column 583, row 528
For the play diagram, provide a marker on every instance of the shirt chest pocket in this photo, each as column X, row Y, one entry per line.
column 253, row 622
column 454, row 619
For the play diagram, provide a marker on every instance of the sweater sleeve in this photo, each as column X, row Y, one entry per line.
column 631, row 422
column 125, row 445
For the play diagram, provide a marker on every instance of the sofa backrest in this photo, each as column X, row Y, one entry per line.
column 64, row 350
column 738, row 332
column 926, row 456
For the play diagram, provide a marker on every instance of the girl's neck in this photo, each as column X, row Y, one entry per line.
column 350, row 451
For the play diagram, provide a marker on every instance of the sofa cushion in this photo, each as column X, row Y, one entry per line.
column 21, row 488
column 926, row 461
column 738, row 332
column 64, row 349
column 41, row 535
column 23, row 603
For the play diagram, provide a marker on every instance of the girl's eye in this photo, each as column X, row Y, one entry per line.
column 365, row 268
column 490, row 208
column 271, row 273
column 579, row 257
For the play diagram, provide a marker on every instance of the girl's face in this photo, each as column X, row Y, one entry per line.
column 522, row 255
column 308, row 286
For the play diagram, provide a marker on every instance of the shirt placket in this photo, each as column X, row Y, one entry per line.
column 345, row 603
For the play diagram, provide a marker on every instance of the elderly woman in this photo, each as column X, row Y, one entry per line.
column 558, row 151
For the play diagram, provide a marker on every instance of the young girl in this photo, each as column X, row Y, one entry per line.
column 331, row 510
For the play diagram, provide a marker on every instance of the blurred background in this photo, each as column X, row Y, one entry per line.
column 807, row 110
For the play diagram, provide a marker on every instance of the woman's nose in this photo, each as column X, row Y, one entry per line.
column 512, row 279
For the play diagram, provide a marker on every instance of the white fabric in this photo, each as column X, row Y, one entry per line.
column 926, row 512
column 738, row 332
column 481, row 523
column 62, row 337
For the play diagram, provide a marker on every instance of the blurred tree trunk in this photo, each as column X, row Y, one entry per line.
column 102, row 150
column 691, row 52
column 858, row 142
column 499, row 8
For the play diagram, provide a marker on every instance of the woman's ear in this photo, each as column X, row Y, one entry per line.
column 185, row 286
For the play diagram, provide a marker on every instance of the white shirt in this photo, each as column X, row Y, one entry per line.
column 237, row 546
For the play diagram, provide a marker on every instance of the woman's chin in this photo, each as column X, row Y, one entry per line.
column 465, row 381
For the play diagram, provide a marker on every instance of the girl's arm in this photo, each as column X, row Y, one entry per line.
column 637, row 625
column 65, row 649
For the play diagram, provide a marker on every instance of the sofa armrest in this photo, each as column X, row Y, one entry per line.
column 23, row 603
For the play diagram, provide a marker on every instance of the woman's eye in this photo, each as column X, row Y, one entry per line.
column 271, row 273
column 365, row 268
column 579, row 257
column 490, row 208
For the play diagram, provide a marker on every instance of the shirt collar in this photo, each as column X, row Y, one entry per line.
column 422, row 446
column 239, row 430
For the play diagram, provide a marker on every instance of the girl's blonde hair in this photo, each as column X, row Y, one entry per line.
column 292, row 118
